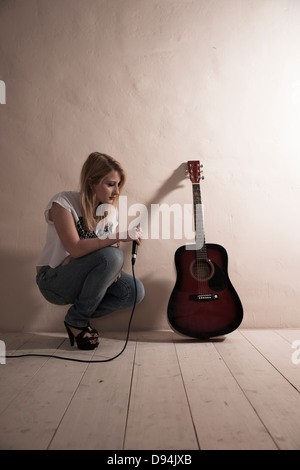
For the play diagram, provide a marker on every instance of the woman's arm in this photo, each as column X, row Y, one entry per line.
column 65, row 227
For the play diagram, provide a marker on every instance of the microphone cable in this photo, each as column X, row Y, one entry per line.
column 91, row 361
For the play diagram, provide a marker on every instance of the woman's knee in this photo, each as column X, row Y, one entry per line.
column 112, row 256
column 115, row 258
column 140, row 291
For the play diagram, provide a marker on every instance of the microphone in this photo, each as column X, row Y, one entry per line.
column 134, row 252
column 134, row 249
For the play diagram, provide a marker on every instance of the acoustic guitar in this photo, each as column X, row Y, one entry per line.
column 203, row 303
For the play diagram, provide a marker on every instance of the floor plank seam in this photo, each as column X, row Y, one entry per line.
column 129, row 395
column 247, row 398
column 187, row 398
column 45, row 360
column 70, row 401
column 271, row 364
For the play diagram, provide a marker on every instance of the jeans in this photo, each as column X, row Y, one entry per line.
column 90, row 284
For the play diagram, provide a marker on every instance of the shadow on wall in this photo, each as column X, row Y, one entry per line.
column 170, row 185
column 16, row 290
column 20, row 297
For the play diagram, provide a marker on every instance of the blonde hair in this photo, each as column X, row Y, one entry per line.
column 96, row 167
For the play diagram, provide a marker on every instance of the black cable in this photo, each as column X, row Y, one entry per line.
column 86, row 360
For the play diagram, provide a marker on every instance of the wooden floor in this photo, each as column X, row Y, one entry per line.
column 164, row 392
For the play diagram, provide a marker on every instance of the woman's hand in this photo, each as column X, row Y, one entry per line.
column 133, row 234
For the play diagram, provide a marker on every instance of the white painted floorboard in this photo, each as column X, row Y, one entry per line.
column 165, row 392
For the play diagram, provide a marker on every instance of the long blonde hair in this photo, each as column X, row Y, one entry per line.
column 96, row 167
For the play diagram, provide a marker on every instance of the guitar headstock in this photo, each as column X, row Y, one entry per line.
column 194, row 171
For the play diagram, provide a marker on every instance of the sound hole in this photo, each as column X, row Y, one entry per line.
column 202, row 270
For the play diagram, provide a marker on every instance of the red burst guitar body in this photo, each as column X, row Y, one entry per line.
column 203, row 303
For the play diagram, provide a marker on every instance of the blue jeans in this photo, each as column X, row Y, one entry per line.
column 89, row 284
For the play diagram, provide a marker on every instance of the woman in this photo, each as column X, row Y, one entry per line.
column 79, row 264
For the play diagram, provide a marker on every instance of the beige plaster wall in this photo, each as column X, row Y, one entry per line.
column 155, row 83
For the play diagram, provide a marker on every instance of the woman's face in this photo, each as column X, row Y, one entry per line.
column 107, row 189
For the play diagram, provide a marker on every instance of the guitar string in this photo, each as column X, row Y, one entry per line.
column 195, row 266
column 199, row 265
column 202, row 267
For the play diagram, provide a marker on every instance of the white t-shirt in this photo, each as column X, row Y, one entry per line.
column 54, row 252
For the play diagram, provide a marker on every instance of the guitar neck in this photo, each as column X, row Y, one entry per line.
column 199, row 222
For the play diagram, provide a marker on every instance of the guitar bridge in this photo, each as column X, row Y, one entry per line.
column 204, row 297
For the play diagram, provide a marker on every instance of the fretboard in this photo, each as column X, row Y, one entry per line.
column 199, row 223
